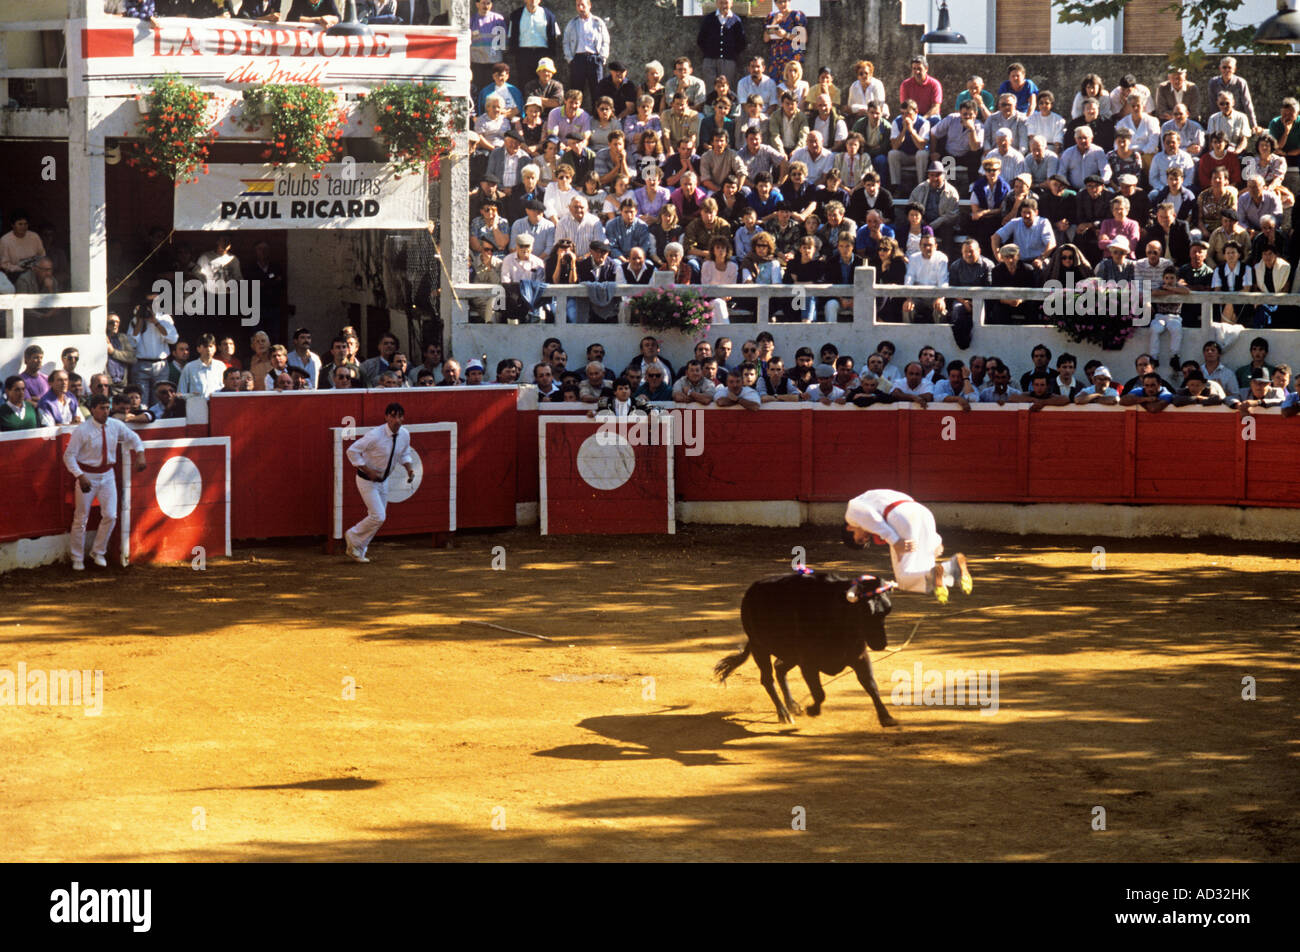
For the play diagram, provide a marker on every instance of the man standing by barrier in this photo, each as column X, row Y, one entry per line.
column 373, row 455
column 91, row 457
column 907, row 527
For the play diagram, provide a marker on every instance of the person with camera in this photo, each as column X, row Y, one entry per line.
column 154, row 332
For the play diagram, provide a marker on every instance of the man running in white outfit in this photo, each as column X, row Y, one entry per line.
column 907, row 527
column 91, row 457
column 373, row 455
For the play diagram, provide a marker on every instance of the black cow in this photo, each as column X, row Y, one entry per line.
column 817, row 622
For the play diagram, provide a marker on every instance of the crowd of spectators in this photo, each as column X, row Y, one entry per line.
column 602, row 179
column 757, row 169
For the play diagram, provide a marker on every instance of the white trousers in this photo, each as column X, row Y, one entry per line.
column 375, row 496
column 721, row 314
column 1174, row 324
column 103, row 485
column 912, row 571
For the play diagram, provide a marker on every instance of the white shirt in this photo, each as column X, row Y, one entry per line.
column 815, row 393
column 1146, row 134
column 373, row 449
column 923, row 388
column 765, row 88
column 1051, row 127
column 513, row 270
column 581, row 233
column 859, row 97
column 152, row 345
column 56, row 413
column 312, row 365
column 86, row 447
column 867, row 512
column 818, row 167
column 199, row 380
column 933, row 273
column 216, row 268
column 746, row 393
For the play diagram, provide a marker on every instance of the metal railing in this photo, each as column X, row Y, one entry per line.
column 864, row 291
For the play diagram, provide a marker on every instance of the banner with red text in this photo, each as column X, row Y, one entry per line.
column 118, row 56
column 347, row 195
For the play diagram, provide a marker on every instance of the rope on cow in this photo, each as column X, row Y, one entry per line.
column 515, row 631
column 896, row 650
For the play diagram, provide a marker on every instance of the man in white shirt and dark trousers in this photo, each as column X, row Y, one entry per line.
column 91, row 457
column 154, row 332
column 374, row 455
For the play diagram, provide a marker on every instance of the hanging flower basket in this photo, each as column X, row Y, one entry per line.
column 416, row 123
column 174, row 130
column 673, row 309
column 1096, row 314
column 306, row 123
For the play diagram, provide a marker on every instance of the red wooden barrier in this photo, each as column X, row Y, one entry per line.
column 603, row 482
column 180, row 501
column 30, row 467
column 747, row 455
column 426, row 505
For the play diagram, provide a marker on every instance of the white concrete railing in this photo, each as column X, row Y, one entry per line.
column 864, row 290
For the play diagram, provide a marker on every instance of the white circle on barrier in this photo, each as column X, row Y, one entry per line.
column 179, row 487
column 606, row 461
column 399, row 490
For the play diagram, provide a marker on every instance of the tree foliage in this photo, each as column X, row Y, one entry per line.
column 1210, row 25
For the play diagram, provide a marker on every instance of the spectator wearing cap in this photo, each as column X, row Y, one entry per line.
column 619, row 89
column 521, row 266
column 1057, row 202
column 940, row 203
column 1084, row 159
column 1228, row 81
column 532, row 33
column 1010, row 272
column 545, row 87
column 721, row 40
column 512, row 98
column 1012, row 160
column 1257, row 393
column 1031, row 233
column 987, row 194
column 1191, row 134
column 1139, row 204
column 1100, row 390
column 1007, row 118
column 1128, row 86
column 597, row 267
column 1176, row 91
column 824, row 391
column 539, row 229
column 577, row 155
column 474, row 373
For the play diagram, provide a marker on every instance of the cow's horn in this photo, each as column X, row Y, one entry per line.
column 852, row 594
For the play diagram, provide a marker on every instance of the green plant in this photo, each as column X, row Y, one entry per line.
column 176, row 132
column 1095, row 312
column 673, row 309
column 415, row 122
column 306, row 123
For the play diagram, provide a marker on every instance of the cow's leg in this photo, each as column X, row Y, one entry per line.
column 782, row 669
column 764, row 662
column 862, row 667
column 813, row 677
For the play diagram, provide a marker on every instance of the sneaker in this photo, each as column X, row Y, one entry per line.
column 78, row 566
column 356, row 556
column 941, row 594
column 967, row 583
column 100, row 561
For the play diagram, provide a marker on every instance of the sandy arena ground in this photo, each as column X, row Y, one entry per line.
column 225, row 734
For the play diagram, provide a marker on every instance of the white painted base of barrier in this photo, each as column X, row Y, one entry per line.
column 33, row 553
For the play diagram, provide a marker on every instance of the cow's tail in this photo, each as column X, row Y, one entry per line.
column 723, row 669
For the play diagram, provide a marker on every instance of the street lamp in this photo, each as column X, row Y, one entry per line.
column 349, row 25
column 1282, row 28
column 943, row 33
